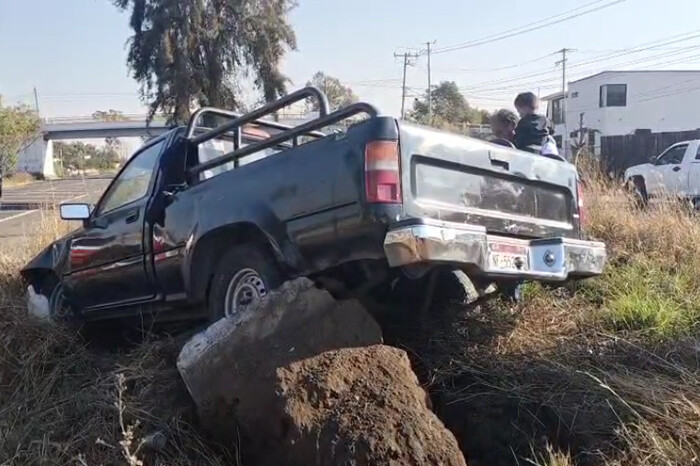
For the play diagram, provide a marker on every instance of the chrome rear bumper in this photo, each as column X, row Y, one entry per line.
column 469, row 246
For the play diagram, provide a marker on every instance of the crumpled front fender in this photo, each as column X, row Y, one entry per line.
column 53, row 258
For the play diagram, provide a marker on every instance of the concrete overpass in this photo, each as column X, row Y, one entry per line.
column 38, row 157
column 61, row 129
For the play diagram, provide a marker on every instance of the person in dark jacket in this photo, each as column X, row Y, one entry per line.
column 532, row 131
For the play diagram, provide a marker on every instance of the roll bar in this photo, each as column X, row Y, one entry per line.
column 267, row 109
column 309, row 127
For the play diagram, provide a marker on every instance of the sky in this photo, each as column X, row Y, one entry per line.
column 74, row 51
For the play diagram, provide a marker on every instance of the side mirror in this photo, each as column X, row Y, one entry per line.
column 75, row 211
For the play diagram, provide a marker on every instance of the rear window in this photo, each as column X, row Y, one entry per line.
column 215, row 148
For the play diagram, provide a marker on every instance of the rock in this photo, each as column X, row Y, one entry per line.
column 305, row 381
column 359, row 406
column 230, row 369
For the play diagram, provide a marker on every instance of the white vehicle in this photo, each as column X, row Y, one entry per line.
column 676, row 172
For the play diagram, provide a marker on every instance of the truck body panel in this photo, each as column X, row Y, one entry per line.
column 190, row 195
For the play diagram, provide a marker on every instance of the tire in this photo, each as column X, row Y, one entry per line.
column 639, row 190
column 695, row 204
column 455, row 287
column 511, row 291
column 245, row 273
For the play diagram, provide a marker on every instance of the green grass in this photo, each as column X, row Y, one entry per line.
column 645, row 299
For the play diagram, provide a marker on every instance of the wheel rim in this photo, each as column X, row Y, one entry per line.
column 57, row 303
column 244, row 288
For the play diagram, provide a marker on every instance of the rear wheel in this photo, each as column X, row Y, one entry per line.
column 638, row 188
column 511, row 290
column 243, row 275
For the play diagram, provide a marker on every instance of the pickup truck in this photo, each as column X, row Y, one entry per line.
column 206, row 218
column 676, row 173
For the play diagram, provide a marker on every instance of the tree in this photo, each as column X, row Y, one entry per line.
column 19, row 126
column 338, row 95
column 108, row 115
column 187, row 52
column 450, row 108
column 114, row 144
column 85, row 156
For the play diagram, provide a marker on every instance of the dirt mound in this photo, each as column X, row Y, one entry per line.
column 360, row 406
column 302, row 380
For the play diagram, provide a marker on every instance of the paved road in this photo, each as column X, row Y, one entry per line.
column 20, row 206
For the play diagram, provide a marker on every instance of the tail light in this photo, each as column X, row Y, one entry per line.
column 382, row 172
column 582, row 215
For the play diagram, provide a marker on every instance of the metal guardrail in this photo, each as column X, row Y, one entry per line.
column 296, row 115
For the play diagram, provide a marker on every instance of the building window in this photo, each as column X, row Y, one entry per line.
column 613, row 95
column 574, row 95
column 557, row 111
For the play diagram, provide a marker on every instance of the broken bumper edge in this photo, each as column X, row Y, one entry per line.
column 470, row 247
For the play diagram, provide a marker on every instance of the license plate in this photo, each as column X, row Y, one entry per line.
column 508, row 257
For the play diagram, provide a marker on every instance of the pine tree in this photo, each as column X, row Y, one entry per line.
column 190, row 52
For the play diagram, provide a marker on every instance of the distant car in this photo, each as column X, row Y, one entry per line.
column 676, row 173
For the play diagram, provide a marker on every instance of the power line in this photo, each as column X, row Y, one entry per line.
column 485, row 70
column 650, row 94
column 493, row 84
column 549, row 21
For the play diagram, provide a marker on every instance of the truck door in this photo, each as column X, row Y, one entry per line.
column 107, row 258
column 669, row 175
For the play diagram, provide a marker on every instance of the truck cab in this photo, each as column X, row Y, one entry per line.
column 675, row 172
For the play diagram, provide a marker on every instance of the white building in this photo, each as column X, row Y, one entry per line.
column 614, row 103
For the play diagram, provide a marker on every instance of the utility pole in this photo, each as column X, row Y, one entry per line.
column 565, row 138
column 406, row 56
column 36, row 100
column 430, row 87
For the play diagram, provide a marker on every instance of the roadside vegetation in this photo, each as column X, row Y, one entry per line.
column 600, row 372
column 19, row 179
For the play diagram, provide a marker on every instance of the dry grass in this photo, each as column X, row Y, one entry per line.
column 62, row 402
column 19, row 179
column 604, row 372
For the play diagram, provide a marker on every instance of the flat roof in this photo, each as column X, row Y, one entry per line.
column 633, row 71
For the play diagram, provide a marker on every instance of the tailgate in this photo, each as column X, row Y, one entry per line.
column 453, row 178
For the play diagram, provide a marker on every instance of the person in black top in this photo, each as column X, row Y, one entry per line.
column 532, row 131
